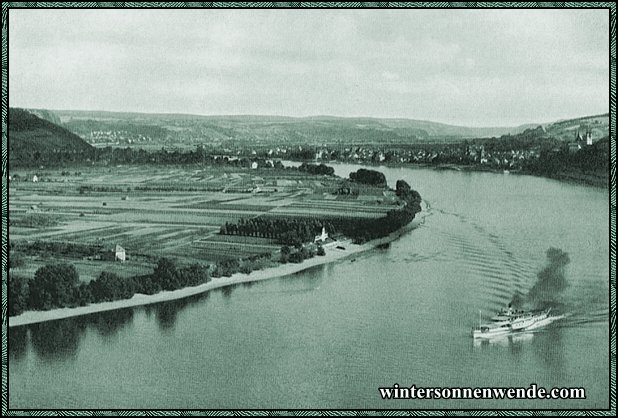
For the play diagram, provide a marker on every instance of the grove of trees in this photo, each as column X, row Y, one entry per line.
column 58, row 286
column 288, row 231
column 321, row 169
column 372, row 177
column 53, row 287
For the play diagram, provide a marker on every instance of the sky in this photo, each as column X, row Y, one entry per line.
column 464, row 67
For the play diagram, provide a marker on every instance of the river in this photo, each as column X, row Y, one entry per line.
column 331, row 336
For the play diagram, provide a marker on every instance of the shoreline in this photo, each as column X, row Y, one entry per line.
column 570, row 178
column 332, row 254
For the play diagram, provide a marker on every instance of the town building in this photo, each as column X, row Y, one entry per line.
column 581, row 141
column 584, row 140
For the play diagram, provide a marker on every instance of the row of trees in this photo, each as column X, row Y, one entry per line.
column 368, row 229
column 51, row 248
column 230, row 266
column 286, row 231
column 103, row 189
column 58, row 286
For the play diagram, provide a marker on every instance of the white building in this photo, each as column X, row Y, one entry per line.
column 322, row 237
column 581, row 139
column 120, row 254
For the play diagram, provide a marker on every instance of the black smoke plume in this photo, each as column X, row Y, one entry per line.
column 550, row 281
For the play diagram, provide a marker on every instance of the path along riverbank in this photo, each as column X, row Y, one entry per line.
column 332, row 254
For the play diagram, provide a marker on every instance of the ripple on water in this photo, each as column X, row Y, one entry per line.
column 487, row 262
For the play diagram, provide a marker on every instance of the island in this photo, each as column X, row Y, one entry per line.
column 88, row 236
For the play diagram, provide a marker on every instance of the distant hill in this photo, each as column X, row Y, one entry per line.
column 34, row 141
column 555, row 134
column 154, row 130
column 566, row 130
column 118, row 128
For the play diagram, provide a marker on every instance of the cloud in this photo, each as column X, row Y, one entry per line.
column 459, row 66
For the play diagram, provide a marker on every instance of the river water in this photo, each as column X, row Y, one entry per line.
column 331, row 336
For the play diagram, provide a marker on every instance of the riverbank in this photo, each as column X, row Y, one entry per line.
column 573, row 177
column 579, row 178
column 333, row 253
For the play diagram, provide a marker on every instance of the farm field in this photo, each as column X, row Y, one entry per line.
column 88, row 269
column 159, row 211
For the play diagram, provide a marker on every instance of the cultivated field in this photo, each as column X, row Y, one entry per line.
column 166, row 211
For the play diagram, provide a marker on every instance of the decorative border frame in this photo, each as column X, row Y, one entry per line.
column 612, row 207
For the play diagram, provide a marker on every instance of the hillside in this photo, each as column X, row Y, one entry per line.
column 153, row 131
column 567, row 130
column 556, row 134
column 46, row 115
column 34, row 141
column 141, row 129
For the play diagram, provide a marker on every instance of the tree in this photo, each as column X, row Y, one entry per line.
column 165, row 273
column 194, row 275
column 296, row 257
column 147, row 284
column 82, row 295
column 246, row 268
column 402, row 188
column 321, row 250
column 17, row 295
column 365, row 176
column 109, row 286
column 53, row 286
column 228, row 267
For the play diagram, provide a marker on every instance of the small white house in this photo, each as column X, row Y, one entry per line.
column 116, row 253
column 322, row 237
column 35, row 179
column 119, row 254
column 254, row 165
